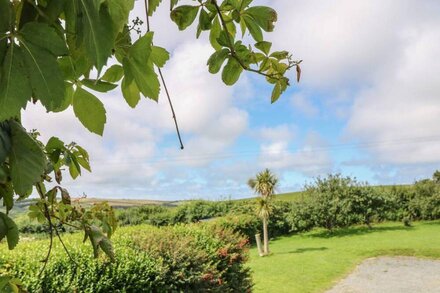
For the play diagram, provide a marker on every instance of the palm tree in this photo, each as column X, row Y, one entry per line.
column 264, row 184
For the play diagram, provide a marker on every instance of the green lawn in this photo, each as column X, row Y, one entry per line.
column 314, row 261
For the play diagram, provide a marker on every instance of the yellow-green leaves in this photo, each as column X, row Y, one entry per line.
column 184, row 15
column 113, row 74
column 99, row 241
column 89, row 110
column 130, row 92
column 9, row 230
column 138, row 67
column 231, row 72
column 263, row 16
column 217, row 59
column 27, row 160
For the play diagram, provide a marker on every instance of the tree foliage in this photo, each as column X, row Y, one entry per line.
column 61, row 52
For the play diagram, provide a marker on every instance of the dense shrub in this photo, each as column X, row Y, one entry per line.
column 418, row 202
column 194, row 258
column 249, row 224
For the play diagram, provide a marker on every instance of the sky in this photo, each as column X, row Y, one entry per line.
column 367, row 106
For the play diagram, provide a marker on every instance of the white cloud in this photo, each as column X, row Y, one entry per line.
column 311, row 158
column 301, row 102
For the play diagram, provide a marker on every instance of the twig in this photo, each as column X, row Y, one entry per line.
column 164, row 84
column 47, row 215
column 234, row 54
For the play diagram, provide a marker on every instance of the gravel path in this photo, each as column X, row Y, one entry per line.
column 392, row 275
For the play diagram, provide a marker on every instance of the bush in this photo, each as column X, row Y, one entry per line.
column 334, row 202
column 174, row 259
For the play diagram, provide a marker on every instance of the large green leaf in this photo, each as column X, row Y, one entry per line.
column 137, row 66
column 217, row 59
column 130, row 92
column 8, row 229
column 100, row 241
column 159, row 56
column 231, row 72
column 253, row 28
column 264, row 16
column 113, row 74
column 26, row 159
column 184, row 15
column 5, row 141
column 89, row 110
column 44, row 36
column 45, row 76
column 7, row 194
column 152, row 6
column 214, row 34
column 96, row 31
column 119, row 12
column 5, row 22
column 15, row 90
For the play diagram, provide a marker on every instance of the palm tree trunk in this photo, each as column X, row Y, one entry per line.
column 260, row 249
column 265, row 237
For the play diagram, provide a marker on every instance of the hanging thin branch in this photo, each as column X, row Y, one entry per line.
column 164, row 84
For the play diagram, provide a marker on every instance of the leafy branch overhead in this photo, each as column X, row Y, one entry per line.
column 63, row 53
column 221, row 21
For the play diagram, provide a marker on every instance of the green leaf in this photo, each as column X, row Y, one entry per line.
column 8, row 229
column 130, row 92
column 100, row 241
column 5, row 142
column 231, row 72
column 27, row 159
column 280, row 55
column 119, row 12
column 224, row 39
column 7, row 193
column 68, row 98
column 253, row 28
column 214, row 34
column 42, row 35
column 152, row 6
column 54, row 143
column 137, row 66
column 96, row 31
column 217, row 59
column 205, row 22
column 5, row 23
column 113, row 74
column 263, row 16
column 159, row 56
column 45, row 76
column 278, row 89
column 184, row 15
column 99, row 85
column 15, row 90
column 89, row 110
column 264, row 46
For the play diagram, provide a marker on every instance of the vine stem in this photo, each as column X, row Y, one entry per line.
column 164, row 83
column 47, row 215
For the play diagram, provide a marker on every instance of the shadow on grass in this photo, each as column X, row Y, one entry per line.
column 356, row 231
column 304, row 249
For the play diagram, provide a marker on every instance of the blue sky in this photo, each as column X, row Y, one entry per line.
column 368, row 106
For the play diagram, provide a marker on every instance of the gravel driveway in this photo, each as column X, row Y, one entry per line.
column 392, row 275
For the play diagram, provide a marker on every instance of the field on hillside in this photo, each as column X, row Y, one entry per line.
column 314, row 261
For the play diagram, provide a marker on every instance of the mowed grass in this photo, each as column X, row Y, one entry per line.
column 315, row 261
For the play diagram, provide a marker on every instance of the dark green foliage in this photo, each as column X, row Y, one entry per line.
column 193, row 258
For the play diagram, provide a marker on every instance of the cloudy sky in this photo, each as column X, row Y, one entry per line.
column 368, row 105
